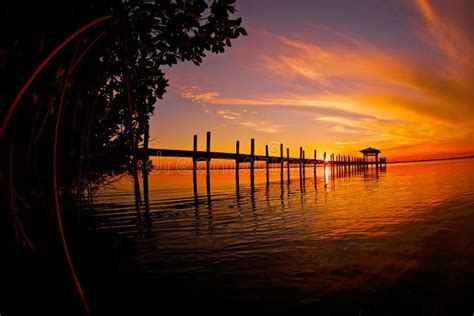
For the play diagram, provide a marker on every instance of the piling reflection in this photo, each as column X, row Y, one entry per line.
column 265, row 186
column 261, row 188
column 345, row 228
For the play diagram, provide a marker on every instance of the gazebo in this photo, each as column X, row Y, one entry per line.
column 371, row 152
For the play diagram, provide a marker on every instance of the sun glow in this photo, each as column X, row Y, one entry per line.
column 333, row 88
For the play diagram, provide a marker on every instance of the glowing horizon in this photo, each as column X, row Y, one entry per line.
column 334, row 76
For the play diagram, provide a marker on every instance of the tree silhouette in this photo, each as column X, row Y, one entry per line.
column 80, row 82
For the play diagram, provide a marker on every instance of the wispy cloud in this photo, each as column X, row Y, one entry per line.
column 196, row 94
column 229, row 115
column 358, row 89
column 340, row 143
column 249, row 120
column 445, row 35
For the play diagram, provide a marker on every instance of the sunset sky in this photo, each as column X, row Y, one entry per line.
column 338, row 76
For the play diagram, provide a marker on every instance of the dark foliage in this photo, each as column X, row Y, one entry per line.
column 141, row 37
column 83, row 118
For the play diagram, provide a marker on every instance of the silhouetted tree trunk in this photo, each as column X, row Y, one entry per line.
column 146, row 166
column 133, row 138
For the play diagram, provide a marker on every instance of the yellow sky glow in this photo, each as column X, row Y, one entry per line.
column 385, row 97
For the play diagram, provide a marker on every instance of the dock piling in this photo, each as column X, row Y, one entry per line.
column 237, row 162
column 267, row 164
column 208, row 152
column 195, row 140
column 288, row 163
column 281, row 163
column 252, row 160
column 208, row 165
column 300, row 161
column 304, row 165
column 195, row 165
column 315, row 162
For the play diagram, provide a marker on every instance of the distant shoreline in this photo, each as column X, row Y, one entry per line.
column 319, row 165
column 428, row 160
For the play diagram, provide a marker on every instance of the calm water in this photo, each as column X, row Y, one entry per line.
column 355, row 243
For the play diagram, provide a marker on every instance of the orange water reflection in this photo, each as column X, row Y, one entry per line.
column 362, row 200
column 340, row 230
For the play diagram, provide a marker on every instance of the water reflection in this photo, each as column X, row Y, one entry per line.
column 326, row 176
column 259, row 194
column 345, row 229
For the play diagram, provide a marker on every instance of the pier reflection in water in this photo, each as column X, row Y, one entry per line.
column 357, row 236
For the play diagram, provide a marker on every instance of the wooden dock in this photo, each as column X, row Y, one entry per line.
column 238, row 157
column 339, row 164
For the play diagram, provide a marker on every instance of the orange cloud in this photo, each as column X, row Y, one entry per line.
column 248, row 120
column 445, row 35
column 395, row 101
column 195, row 94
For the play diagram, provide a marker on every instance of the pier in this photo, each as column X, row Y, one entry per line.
column 334, row 161
column 339, row 165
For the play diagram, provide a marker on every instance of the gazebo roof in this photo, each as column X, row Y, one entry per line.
column 370, row 150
